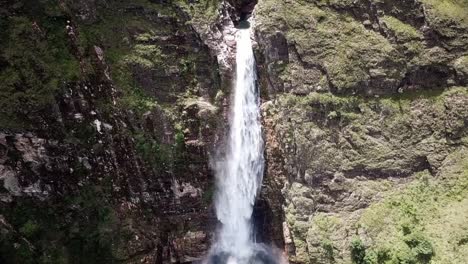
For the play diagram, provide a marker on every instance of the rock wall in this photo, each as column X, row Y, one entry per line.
column 109, row 110
column 366, row 125
column 108, row 113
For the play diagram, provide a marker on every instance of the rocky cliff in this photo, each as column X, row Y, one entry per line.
column 110, row 110
column 366, row 120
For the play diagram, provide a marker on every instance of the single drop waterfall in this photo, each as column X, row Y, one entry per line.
column 240, row 174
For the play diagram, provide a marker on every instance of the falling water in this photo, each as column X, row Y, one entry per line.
column 240, row 174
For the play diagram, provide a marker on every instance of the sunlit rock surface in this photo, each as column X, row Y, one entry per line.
column 366, row 125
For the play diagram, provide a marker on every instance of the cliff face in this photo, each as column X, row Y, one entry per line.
column 367, row 115
column 109, row 110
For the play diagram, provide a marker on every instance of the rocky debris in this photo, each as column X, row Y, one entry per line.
column 185, row 189
column 10, row 184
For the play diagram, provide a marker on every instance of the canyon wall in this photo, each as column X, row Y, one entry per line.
column 366, row 120
column 111, row 109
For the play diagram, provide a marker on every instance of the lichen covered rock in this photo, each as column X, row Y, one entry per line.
column 342, row 154
column 364, row 47
column 368, row 101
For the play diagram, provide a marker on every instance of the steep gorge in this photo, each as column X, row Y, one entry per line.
column 110, row 111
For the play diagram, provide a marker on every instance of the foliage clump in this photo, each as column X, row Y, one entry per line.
column 161, row 155
column 90, row 233
column 36, row 66
column 145, row 55
column 203, row 12
column 410, row 226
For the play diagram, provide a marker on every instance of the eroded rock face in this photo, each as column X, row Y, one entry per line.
column 366, row 124
column 107, row 122
column 109, row 110
column 362, row 47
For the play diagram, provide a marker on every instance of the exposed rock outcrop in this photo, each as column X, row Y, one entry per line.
column 108, row 112
column 367, row 110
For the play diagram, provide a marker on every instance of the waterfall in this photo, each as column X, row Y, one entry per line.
column 239, row 175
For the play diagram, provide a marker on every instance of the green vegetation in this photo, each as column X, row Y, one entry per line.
column 90, row 233
column 359, row 54
column 208, row 194
column 162, row 156
column 320, row 230
column 358, row 58
column 146, row 56
column 358, row 251
column 453, row 10
column 30, row 229
column 125, row 51
column 325, row 133
column 37, row 66
column 140, row 40
column 412, row 225
column 450, row 19
column 203, row 12
column 159, row 155
column 351, row 54
column 403, row 32
column 140, row 56
column 322, row 134
column 326, row 108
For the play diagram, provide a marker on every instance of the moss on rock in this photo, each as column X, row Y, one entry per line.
column 450, row 19
column 203, row 13
column 36, row 66
column 365, row 47
column 452, row 10
column 404, row 32
column 416, row 224
column 355, row 58
column 349, row 152
column 90, row 233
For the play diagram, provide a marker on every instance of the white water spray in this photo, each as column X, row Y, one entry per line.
column 240, row 174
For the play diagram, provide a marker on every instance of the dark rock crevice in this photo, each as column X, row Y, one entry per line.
column 243, row 9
